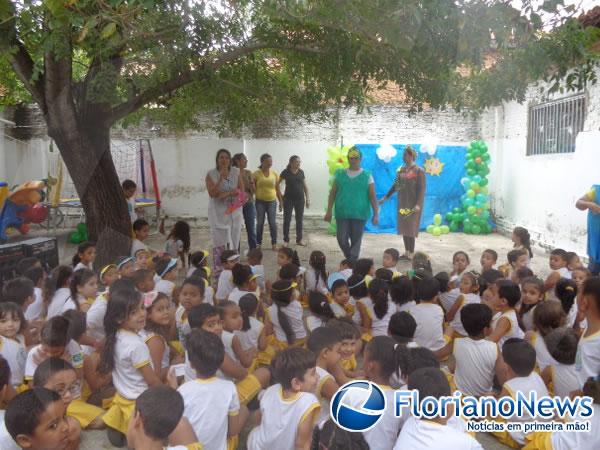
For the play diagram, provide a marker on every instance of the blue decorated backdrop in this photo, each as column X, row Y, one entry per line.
column 442, row 193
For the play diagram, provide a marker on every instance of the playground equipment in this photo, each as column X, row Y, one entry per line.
column 21, row 206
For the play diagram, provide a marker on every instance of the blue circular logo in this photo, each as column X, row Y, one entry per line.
column 358, row 406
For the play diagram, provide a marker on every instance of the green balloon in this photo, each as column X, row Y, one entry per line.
column 470, row 172
column 467, row 229
column 437, row 219
column 436, row 231
column 484, row 182
column 449, row 217
column 486, row 157
column 456, row 210
column 476, row 229
column 467, row 222
column 471, row 193
column 471, row 210
column 454, row 226
column 430, row 228
column 445, row 229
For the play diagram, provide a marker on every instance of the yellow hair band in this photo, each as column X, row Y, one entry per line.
column 107, row 268
column 293, row 285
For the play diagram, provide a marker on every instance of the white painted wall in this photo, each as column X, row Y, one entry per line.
column 539, row 192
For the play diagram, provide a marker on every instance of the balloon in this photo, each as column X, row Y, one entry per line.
column 470, row 172
column 484, row 190
column 437, row 220
column 484, row 170
column 465, row 182
column 485, row 157
column 484, row 182
column 481, row 198
column 467, row 222
column 478, row 160
column 468, row 202
column 437, row 231
column 475, row 186
column 476, row 229
column 445, row 229
column 471, row 210
column 485, row 214
column 476, row 152
column 430, row 228
column 477, row 179
column 467, row 229
column 449, row 217
column 471, row 193
column 454, row 226
column 456, row 211
column 470, row 165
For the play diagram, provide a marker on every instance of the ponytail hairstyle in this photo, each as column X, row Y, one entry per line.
column 81, row 248
column 292, row 255
column 248, row 305
column 57, row 279
column 241, row 273
column 363, row 266
column 198, row 259
column 319, row 306
column 181, row 231
column 414, row 358
column 378, row 291
column 401, row 290
column 566, row 291
column 291, row 160
column 121, row 305
column 525, row 239
column 357, row 286
column 79, row 278
column 385, row 352
column 317, row 261
column 548, row 316
column 282, row 295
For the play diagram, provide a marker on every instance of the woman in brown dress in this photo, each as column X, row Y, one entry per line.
column 410, row 185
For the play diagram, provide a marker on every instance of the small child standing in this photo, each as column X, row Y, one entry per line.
column 522, row 240
column 532, row 294
column 561, row 376
column 489, row 258
column 178, row 242
column 84, row 287
column 141, row 230
column 429, row 316
column 211, row 404
column 229, row 258
column 475, row 359
column 391, row 256
column 288, row 409
column 325, row 343
column 129, row 190
column 284, row 317
column 166, row 269
column 191, row 294
column 85, row 256
column 316, row 274
column 12, row 324
column 244, row 281
column 469, row 294
column 506, row 325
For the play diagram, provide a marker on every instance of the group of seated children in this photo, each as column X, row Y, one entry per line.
column 190, row 364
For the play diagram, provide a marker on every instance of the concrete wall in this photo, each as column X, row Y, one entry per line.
column 539, row 192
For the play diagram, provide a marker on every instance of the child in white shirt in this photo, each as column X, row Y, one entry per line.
column 429, row 316
column 166, row 269
column 252, row 335
column 57, row 295
column 376, row 309
column 316, row 275
column 12, row 345
column 229, row 258
column 474, row 358
column 506, row 325
column 469, row 289
column 245, row 283
column 211, row 404
column 562, row 343
column 141, row 229
column 255, row 257
column 85, row 256
column 391, row 256
column 284, row 318
column 289, row 409
column 191, row 294
column 346, row 267
column 320, row 311
column 402, row 293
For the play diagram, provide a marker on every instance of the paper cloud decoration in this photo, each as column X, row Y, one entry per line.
column 429, row 146
column 386, row 152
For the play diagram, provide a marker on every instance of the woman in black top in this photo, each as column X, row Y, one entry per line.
column 294, row 198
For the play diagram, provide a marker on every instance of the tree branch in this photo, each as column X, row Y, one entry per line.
column 153, row 93
column 23, row 65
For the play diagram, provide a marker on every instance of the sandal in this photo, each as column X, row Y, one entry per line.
column 301, row 244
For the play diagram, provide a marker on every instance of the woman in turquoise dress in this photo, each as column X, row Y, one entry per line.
column 591, row 202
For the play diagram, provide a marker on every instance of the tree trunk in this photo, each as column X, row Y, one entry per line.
column 85, row 149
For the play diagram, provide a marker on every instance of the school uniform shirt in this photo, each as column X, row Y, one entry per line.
column 165, row 287
column 173, row 247
column 16, row 356
column 147, row 336
column 61, row 302
column 379, row 326
column 406, row 307
column 249, row 338
column 527, row 384
column 528, row 319
column 419, row 434
column 338, row 310
column 356, row 316
column 564, row 379
column 430, row 321
column 587, row 361
column 259, row 271
column 346, row 273
column 475, row 365
column 324, row 376
column 131, row 354
column 236, row 294
column 576, row 440
column 81, row 265
column 456, row 323
column 34, row 311
column 182, row 325
column 384, row 434
column 95, row 317
column 136, row 246
column 447, row 299
column 313, row 322
column 572, row 316
column 280, row 419
column 73, row 349
column 6, row 440
column 542, row 355
column 208, row 403
column 294, row 313
column 224, row 285
column 514, row 330
column 312, row 284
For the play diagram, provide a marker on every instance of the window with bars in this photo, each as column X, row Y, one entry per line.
column 553, row 126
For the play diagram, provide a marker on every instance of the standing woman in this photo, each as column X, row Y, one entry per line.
column 353, row 192
column 249, row 211
column 222, row 184
column 294, row 198
column 267, row 196
column 410, row 185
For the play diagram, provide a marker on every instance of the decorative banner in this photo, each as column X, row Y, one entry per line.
column 433, row 166
column 386, row 152
column 429, row 146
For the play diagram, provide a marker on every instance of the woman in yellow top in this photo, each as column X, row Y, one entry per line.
column 267, row 196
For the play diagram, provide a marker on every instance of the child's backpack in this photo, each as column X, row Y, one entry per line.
column 332, row 437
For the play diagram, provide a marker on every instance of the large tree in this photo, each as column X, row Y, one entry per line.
column 89, row 64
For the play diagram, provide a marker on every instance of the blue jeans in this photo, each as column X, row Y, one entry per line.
column 249, row 212
column 270, row 209
column 349, row 236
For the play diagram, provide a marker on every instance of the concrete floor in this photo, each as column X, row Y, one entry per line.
column 440, row 250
